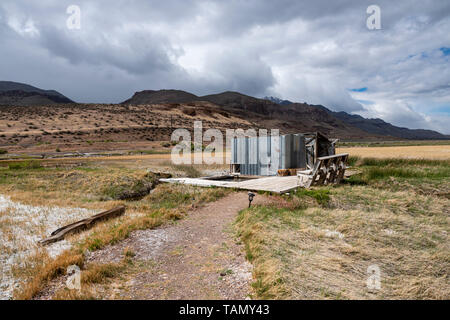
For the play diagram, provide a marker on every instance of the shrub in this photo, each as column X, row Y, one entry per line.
column 24, row 165
column 129, row 188
column 189, row 170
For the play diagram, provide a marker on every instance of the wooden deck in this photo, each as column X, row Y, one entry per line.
column 270, row 184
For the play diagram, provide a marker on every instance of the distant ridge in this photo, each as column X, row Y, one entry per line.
column 378, row 126
column 278, row 101
column 21, row 94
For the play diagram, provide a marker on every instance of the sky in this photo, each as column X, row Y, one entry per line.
column 319, row 52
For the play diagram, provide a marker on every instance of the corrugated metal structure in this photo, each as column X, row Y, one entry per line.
column 265, row 155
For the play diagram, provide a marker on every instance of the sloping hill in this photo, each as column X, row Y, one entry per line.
column 20, row 94
column 161, row 96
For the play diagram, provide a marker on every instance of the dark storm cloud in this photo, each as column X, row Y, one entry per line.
column 241, row 71
column 142, row 53
column 298, row 50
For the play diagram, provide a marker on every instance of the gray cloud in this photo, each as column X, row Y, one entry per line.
column 297, row 50
column 142, row 53
column 241, row 71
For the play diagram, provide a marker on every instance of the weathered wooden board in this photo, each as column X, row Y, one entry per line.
column 84, row 224
column 270, row 184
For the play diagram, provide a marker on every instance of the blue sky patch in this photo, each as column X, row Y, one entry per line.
column 445, row 51
column 441, row 109
column 359, row 89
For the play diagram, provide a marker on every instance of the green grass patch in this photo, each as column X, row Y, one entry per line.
column 384, row 173
column 322, row 196
column 353, row 160
column 25, row 165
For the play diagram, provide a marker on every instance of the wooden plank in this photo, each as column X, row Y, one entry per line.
column 84, row 224
column 335, row 156
column 271, row 184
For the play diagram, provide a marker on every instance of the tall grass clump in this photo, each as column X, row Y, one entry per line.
column 322, row 196
column 353, row 160
column 406, row 173
column 379, row 169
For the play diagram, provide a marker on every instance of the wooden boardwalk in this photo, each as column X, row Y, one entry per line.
column 270, row 184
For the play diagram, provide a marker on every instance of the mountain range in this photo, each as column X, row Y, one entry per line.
column 269, row 112
column 286, row 110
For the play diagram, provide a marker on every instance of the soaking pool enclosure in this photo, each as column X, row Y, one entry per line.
column 270, row 155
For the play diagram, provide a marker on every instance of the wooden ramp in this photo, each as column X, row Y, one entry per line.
column 270, row 184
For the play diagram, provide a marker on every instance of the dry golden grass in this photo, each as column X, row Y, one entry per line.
column 306, row 258
column 93, row 275
column 85, row 187
column 83, row 128
column 42, row 269
column 305, row 249
column 399, row 223
column 441, row 152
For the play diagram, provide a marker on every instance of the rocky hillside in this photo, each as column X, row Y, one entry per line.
column 20, row 94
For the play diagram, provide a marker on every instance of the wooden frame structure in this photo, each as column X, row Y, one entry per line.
column 327, row 170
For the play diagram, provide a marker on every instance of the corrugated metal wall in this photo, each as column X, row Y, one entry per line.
column 266, row 155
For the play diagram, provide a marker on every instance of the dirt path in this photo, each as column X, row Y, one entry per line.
column 198, row 258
